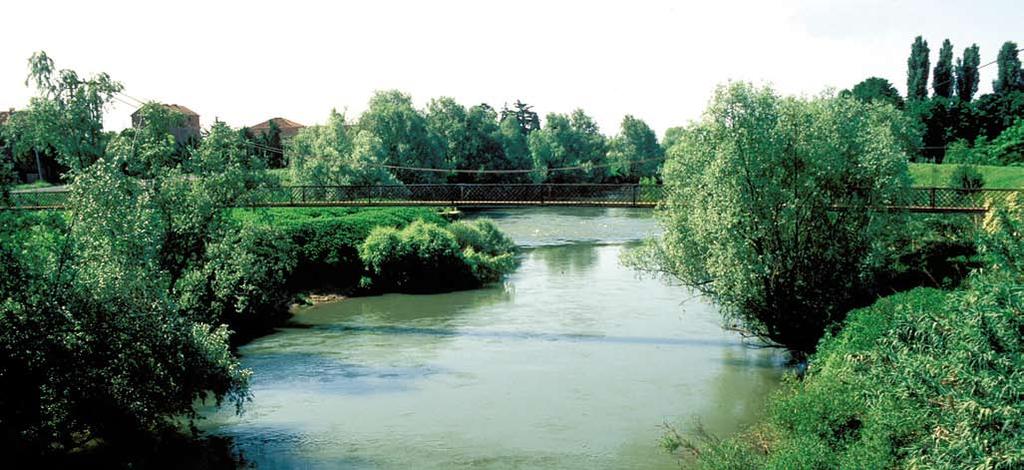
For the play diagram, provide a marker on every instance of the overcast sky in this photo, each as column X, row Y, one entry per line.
column 244, row 62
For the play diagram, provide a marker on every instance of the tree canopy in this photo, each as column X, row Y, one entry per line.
column 750, row 214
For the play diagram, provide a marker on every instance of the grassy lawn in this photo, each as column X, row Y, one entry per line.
column 34, row 185
column 996, row 177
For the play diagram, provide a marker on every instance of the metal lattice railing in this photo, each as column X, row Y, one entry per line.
column 468, row 195
column 497, row 195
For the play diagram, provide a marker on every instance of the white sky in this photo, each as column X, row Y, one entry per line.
column 248, row 61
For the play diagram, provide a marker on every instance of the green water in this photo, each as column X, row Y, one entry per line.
column 573, row 362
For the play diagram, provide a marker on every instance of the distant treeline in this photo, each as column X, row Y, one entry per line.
column 449, row 143
column 951, row 121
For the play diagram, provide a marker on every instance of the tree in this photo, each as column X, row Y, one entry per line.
column 967, row 73
column 67, row 113
column 329, row 155
column 148, row 148
column 634, row 153
column 875, row 89
column 524, row 115
column 515, row 146
column 1009, row 75
column 998, row 111
column 403, row 132
column 268, row 143
column 447, row 122
column 672, row 135
column 569, row 141
column 917, row 70
column 28, row 148
column 486, row 149
column 942, row 78
column 751, row 213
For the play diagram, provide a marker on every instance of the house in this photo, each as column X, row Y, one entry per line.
column 5, row 115
column 189, row 130
column 288, row 127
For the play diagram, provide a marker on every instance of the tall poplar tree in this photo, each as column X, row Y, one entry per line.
column 942, row 76
column 967, row 73
column 1009, row 78
column 917, row 70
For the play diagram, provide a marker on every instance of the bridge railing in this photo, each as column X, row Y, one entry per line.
column 459, row 194
column 495, row 195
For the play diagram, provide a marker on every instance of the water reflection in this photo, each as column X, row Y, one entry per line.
column 567, row 259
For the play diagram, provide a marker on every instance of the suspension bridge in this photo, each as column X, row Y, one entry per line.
column 925, row 200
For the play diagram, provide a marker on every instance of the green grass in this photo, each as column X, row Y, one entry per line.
column 996, row 177
column 34, row 185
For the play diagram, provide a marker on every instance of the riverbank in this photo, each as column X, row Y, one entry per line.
column 926, row 378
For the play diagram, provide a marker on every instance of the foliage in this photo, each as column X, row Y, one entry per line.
column 430, row 257
column 1006, row 149
column 525, row 118
column 917, row 70
column 327, row 240
column 330, row 155
column 996, row 177
column 569, row 141
column 421, row 257
column 403, row 132
column 750, row 218
column 148, row 148
column 874, row 89
column 672, row 135
column 924, row 379
column 966, row 177
column 110, row 356
column 67, row 113
column 634, row 153
column 967, row 73
column 268, row 144
column 488, row 252
column 243, row 282
column 1009, row 76
column 942, row 76
column 998, row 111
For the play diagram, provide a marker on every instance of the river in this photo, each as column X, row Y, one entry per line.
column 573, row 362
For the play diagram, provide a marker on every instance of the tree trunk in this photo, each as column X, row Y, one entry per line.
column 39, row 164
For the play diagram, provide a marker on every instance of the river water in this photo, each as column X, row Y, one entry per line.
column 572, row 362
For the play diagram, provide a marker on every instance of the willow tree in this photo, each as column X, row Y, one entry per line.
column 768, row 210
column 67, row 112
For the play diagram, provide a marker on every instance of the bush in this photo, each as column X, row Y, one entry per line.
column 427, row 257
column 967, row 178
column 422, row 257
column 923, row 379
column 328, row 239
column 485, row 249
column 243, row 280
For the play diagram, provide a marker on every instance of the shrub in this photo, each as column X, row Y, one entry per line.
column 923, row 379
column 967, row 178
column 328, row 239
column 485, row 249
column 419, row 258
column 243, row 280
column 428, row 257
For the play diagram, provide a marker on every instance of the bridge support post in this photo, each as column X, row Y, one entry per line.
column 634, row 188
column 931, row 197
